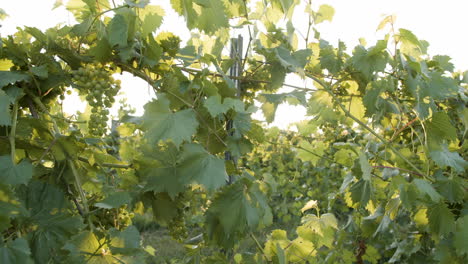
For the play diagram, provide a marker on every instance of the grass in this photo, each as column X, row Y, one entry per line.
column 168, row 250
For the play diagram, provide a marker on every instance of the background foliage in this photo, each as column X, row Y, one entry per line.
column 377, row 173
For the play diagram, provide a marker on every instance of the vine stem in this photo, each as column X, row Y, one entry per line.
column 396, row 168
column 259, row 246
column 366, row 127
column 13, row 133
column 107, row 165
column 77, row 179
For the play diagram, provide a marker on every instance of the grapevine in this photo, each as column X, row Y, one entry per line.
column 376, row 174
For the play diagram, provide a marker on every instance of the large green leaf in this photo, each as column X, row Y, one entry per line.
column 425, row 187
column 165, row 180
column 126, row 241
column 114, row 200
column 318, row 230
column 206, row 15
column 118, row 31
column 86, row 247
column 164, row 208
column 440, row 127
column 372, row 60
column 215, row 107
column 365, row 166
column 160, row 123
column 410, row 44
column 11, row 173
column 200, row 166
column 193, row 164
column 325, row 13
column 152, row 17
column 311, row 152
column 50, row 213
column 441, row 219
column 438, row 87
column 461, row 235
column 445, row 158
column 361, row 192
column 5, row 118
column 10, row 77
column 16, row 251
column 236, row 209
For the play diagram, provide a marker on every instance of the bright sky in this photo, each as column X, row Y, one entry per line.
column 442, row 23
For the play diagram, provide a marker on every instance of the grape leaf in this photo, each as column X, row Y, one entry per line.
column 410, row 44
column 3, row 14
column 361, row 192
column 16, row 251
column 318, row 230
column 165, row 180
column 15, row 173
column 292, row 61
column 200, row 166
column 215, row 107
column 444, row 62
column 311, row 152
column 441, row 219
column 53, row 232
column 126, row 241
column 439, row 87
column 325, row 13
column 445, row 158
column 50, row 213
column 330, row 58
column 408, row 195
column 86, row 247
column 102, row 51
column 164, row 208
column 372, row 60
column 192, row 165
column 114, row 200
column 137, row 3
column 425, row 187
column 161, row 123
column 236, row 209
column 365, row 166
column 9, row 77
column 185, row 8
column 239, row 146
column 207, row 15
column 440, row 127
column 452, row 189
column 211, row 19
column 152, row 17
column 277, row 239
column 117, row 31
column 5, row 118
column 461, row 235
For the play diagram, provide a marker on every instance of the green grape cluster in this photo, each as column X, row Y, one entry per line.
column 124, row 217
column 100, row 88
column 118, row 218
column 177, row 228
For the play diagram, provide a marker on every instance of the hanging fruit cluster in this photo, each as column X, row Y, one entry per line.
column 96, row 83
